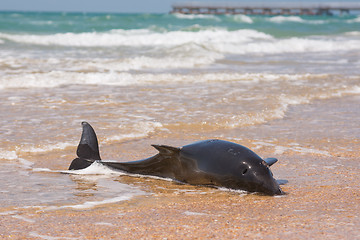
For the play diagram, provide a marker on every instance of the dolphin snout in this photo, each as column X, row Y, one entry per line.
column 279, row 192
column 273, row 188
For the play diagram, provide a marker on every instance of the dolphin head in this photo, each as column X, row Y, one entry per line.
column 256, row 176
column 230, row 165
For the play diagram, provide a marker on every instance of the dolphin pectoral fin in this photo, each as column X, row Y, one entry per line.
column 87, row 150
column 166, row 150
column 270, row 161
column 88, row 147
column 282, row 181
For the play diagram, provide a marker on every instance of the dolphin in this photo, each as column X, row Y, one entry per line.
column 216, row 163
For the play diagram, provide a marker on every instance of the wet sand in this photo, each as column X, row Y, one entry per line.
column 318, row 150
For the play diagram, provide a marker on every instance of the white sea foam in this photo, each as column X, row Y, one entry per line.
column 8, row 213
column 284, row 101
column 43, row 170
column 104, row 224
column 295, row 147
column 196, row 16
column 101, row 175
column 25, row 163
column 24, row 218
column 268, row 114
column 241, row 18
column 95, row 169
column 92, row 204
column 353, row 90
column 48, row 147
column 295, row 19
column 137, row 38
column 281, row 19
column 46, row 237
column 10, row 155
column 198, row 58
column 352, row 33
column 194, row 213
column 210, row 44
column 355, row 20
column 58, row 78
column 290, row 45
column 188, row 55
column 141, row 130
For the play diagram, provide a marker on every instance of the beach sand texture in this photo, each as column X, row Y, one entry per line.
column 321, row 202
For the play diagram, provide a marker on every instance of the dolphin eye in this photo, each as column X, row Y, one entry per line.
column 244, row 171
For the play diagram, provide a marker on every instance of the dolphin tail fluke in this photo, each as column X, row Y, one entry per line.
column 88, row 148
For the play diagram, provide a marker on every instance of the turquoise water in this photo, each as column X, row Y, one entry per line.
column 178, row 43
column 45, row 22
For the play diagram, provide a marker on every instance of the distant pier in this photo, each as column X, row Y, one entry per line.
column 266, row 8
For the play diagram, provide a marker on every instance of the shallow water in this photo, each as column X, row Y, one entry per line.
column 287, row 87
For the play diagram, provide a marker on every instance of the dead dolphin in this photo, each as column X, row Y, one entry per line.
column 210, row 162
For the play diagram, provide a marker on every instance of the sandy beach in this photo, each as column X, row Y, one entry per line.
column 321, row 201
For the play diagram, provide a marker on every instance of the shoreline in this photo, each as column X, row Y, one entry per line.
column 322, row 200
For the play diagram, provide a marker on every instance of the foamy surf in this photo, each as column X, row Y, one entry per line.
column 10, row 155
column 138, row 38
column 292, row 147
column 56, row 191
column 99, row 169
column 92, row 204
column 281, row 19
column 140, row 130
column 96, row 168
column 245, row 41
column 196, row 16
column 58, row 78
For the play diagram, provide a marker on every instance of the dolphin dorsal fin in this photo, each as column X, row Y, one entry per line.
column 88, row 147
column 166, row 150
column 270, row 161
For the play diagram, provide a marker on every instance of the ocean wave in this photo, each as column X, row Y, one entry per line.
column 295, row 19
column 355, row 20
column 58, row 78
column 352, row 33
column 196, row 16
column 183, row 56
column 281, row 19
column 143, row 62
column 138, row 38
column 208, row 44
column 279, row 110
column 241, row 18
column 290, row 45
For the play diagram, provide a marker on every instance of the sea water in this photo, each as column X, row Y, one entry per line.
column 134, row 76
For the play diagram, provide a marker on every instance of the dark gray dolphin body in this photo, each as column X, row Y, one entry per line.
column 210, row 162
